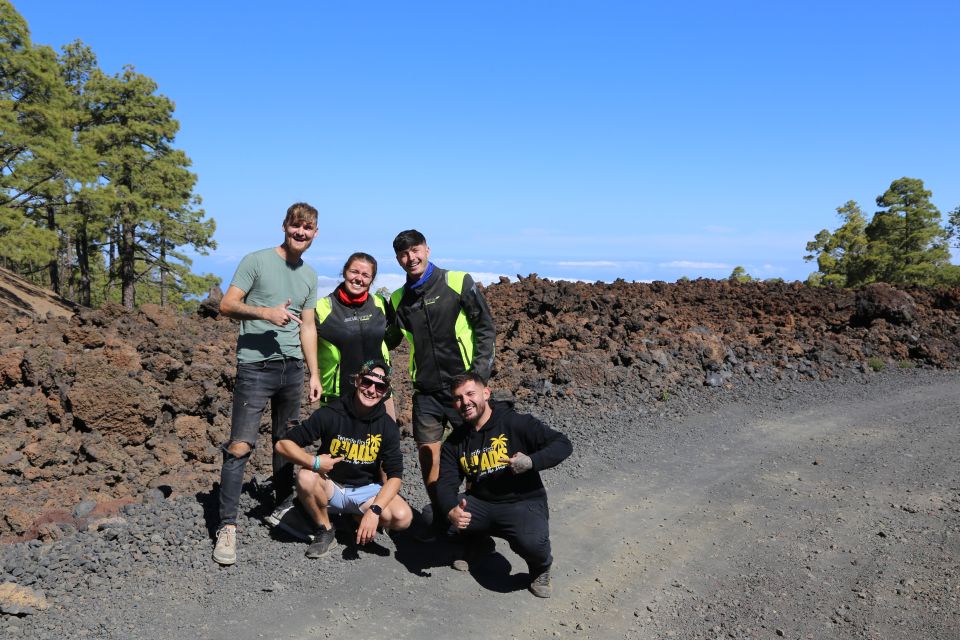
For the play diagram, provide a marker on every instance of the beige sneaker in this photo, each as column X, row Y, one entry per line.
column 541, row 585
column 226, row 550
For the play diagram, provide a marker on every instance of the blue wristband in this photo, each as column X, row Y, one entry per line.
column 316, row 464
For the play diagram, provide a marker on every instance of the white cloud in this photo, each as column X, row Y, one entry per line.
column 326, row 284
column 454, row 263
column 689, row 264
column 586, row 263
column 487, row 277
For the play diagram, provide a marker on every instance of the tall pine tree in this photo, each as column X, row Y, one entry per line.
column 35, row 146
column 906, row 243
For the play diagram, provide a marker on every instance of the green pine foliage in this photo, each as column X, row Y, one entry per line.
column 904, row 243
column 95, row 201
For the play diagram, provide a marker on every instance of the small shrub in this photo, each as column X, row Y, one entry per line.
column 907, row 364
column 876, row 363
column 664, row 395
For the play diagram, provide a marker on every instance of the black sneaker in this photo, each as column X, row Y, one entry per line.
column 274, row 518
column 323, row 541
column 297, row 523
column 540, row 586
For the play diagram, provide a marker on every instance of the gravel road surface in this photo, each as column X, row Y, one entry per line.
column 802, row 511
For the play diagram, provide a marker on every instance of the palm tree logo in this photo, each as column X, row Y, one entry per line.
column 499, row 446
column 373, row 445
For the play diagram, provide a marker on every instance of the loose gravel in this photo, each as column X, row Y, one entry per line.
column 150, row 568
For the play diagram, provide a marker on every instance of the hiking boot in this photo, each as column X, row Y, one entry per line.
column 274, row 518
column 471, row 550
column 461, row 563
column 225, row 552
column 540, row 585
column 323, row 541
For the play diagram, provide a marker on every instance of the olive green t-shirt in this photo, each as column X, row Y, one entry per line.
column 269, row 280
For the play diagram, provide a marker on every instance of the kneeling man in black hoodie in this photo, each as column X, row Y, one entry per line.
column 354, row 437
column 499, row 452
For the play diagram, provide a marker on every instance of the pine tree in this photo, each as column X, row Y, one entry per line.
column 906, row 242
column 839, row 255
column 148, row 186
column 35, row 145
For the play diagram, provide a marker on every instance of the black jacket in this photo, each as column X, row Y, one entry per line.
column 363, row 442
column 474, row 455
column 449, row 327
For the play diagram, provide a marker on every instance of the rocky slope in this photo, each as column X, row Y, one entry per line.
column 109, row 407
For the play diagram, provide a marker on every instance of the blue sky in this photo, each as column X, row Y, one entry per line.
column 574, row 139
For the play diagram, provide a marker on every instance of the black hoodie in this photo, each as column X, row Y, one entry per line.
column 474, row 455
column 363, row 442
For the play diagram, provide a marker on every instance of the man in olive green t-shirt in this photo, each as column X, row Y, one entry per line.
column 273, row 294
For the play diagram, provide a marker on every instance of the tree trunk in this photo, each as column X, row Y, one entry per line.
column 128, row 272
column 163, row 272
column 83, row 262
column 54, row 266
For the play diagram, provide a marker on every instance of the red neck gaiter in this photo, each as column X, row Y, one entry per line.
column 347, row 299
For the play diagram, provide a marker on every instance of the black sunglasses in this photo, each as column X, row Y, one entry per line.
column 381, row 387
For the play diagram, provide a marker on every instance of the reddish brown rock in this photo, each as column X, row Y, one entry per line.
column 163, row 319
column 117, row 406
column 112, row 402
column 10, row 367
column 87, row 337
column 195, row 438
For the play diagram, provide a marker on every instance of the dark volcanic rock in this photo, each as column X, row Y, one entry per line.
column 880, row 300
column 105, row 406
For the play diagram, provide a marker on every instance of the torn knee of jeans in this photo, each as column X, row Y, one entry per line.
column 237, row 449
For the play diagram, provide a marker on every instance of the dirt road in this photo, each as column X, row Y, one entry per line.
column 840, row 518
column 808, row 510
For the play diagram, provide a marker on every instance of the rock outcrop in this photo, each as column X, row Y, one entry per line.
column 102, row 407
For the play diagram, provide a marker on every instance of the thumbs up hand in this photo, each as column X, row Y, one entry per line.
column 459, row 516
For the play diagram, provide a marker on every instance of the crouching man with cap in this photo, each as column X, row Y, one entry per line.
column 499, row 452
column 354, row 437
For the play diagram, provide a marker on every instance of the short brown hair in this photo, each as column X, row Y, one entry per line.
column 300, row 211
column 468, row 376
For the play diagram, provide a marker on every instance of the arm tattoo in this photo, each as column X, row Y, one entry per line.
column 521, row 464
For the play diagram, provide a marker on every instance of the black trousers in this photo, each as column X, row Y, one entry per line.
column 524, row 525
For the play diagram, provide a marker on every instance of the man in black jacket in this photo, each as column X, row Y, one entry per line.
column 445, row 318
column 499, row 452
column 354, row 437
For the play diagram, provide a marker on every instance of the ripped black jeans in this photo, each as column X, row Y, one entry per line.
column 281, row 383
